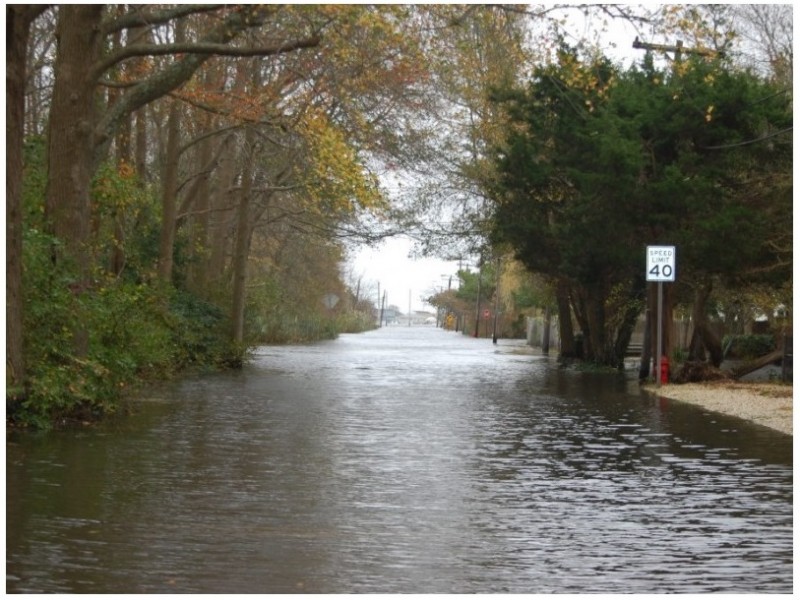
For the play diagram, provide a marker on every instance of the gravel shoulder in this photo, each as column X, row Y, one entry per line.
column 768, row 404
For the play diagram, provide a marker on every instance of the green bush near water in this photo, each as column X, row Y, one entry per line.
column 748, row 347
column 86, row 344
column 135, row 332
column 132, row 327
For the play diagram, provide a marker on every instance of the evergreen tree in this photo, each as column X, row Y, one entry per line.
column 599, row 163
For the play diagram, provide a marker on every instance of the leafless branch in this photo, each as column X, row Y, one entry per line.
column 143, row 18
column 207, row 48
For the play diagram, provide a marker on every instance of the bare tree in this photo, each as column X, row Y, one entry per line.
column 766, row 38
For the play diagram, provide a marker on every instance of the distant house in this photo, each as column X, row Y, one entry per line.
column 393, row 316
column 422, row 317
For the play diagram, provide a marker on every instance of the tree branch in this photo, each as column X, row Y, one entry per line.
column 208, row 48
column 141, row 18
column 182, row 70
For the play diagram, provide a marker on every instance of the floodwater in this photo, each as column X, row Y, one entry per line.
column 407, row 459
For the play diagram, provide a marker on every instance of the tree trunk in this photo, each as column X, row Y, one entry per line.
column 70, row 142
column 758, row 363
column 565, row 330
column 546, row 331
column 597, row 350
column 140, row 157
column 244, row 233
column 578, row 301
column 629, row 318
column 124, row 156
column 201, row 195
column 702, row 336
column 18, row 22
column 697, row 350
column 219, row 226
column 169, row 195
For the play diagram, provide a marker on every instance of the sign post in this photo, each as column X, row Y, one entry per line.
column 660, row 268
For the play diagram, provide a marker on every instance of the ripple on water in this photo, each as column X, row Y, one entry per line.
column 404, row 460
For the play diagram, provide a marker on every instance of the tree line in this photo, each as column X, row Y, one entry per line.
column 183, row 181
column 589, row 162
column 599, row 163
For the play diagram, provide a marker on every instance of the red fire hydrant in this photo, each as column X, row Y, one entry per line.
column 664, row 369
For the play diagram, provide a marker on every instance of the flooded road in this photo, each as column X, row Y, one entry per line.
column 401, row 460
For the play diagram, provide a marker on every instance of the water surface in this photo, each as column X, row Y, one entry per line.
column 402, row 460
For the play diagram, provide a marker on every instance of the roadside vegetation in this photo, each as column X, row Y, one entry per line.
column 599, row 163
column 589, row 162
column 185, row 181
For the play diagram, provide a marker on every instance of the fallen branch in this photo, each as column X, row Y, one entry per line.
column 756, row 364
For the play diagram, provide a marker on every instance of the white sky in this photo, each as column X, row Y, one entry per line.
column 390, row 266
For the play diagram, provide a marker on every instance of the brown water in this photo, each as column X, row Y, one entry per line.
column 401, row 460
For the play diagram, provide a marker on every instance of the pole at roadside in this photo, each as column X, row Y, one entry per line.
column 496, row 300
column 478, row 303
column 658, row 333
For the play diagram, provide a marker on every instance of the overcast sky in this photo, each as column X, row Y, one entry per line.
column 390, row 265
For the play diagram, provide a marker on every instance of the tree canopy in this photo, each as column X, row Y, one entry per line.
column 193, row 173
column 597, row 163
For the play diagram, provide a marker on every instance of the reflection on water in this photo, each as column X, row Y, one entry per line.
column 402, row 460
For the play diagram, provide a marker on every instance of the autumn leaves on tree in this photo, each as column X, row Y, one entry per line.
column 203, row 137
column 192, row 172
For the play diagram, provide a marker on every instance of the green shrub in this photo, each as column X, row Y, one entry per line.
column 131, row 328
column 747, row 347
column 354, row 322
column 135, row 332
column 199, row 332
column 58, row 383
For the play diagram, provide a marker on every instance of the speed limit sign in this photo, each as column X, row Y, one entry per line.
column 660, row 268
column 660, row 263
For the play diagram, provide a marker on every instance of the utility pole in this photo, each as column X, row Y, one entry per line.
column 496, row 299
column 478, row 303
column 678, row 49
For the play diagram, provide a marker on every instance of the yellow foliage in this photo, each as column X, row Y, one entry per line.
column 692, row 24
column 336, row 176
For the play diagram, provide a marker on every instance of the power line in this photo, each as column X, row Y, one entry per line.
column 748, row 142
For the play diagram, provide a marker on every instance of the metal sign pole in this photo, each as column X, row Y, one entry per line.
column 658, row 335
